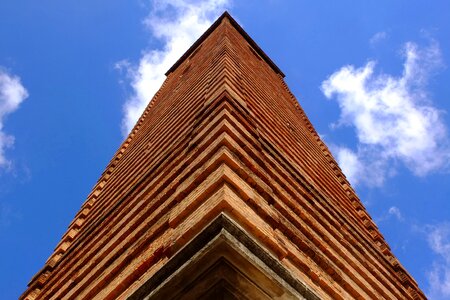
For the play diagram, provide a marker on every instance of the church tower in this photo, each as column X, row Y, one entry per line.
column 223, row 190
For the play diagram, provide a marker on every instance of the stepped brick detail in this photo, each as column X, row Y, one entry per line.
column 223, row 189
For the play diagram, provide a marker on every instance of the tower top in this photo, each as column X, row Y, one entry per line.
column 252, row 43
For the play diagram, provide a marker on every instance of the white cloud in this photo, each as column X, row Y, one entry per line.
column 12, row 94
column 439, row 275
column 378, row 37
column 358, row 168
column 350, row 161
column 395, row 211
column 392, row 212
column 393, row 118
column 177, row 24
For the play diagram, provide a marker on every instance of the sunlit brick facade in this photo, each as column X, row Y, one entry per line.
column 223, row 190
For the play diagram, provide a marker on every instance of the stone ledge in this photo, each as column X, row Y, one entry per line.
column 226, row 257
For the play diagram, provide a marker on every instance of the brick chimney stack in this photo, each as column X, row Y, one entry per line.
column 223, row 190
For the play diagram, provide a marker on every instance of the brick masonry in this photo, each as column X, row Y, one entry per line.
column 223, row 134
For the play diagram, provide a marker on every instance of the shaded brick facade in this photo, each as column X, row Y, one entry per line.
column 223, row 158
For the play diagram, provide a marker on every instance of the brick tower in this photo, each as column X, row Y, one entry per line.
column 223, row 190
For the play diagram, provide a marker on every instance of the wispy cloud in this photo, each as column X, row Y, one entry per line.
column 395, row 211
column 439, row 274
column 12, row 94
column 437, row 237
column 378, row 37
column 362, row 166
column 5, row 215
column 177, row 24
column 394, row 119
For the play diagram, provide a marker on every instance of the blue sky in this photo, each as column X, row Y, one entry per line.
column 372, row 76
